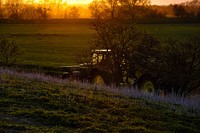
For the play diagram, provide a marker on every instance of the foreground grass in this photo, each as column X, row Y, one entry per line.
column 35, row 103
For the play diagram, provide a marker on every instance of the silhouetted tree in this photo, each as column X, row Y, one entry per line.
column 1, row 10
column 10, row 53
column 176, row 63
column 117, row 9
column 114, row 32
column 153, row 13
column 29, row 12
column 14, row 9
column 179, row 11
column 192, row 8
column 74, row 12
column 133, row 8
column 42, row 13
column 119, row 38
column 104, row 9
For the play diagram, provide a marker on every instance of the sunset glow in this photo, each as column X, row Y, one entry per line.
column 157, row 2
column 153, row 2
column 167, row 2
column 77, row 1
column 73, row 2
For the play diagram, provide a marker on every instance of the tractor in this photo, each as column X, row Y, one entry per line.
column 96, row 72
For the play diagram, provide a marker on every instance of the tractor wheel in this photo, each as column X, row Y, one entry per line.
column 98, row 79
column 146, row 84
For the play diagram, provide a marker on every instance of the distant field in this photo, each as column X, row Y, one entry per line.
column 56, row 44
column 49, row 44
column 174, row 31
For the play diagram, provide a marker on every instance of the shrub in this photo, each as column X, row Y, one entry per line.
column 179, row 64
column 175, row 64
column 10, row 53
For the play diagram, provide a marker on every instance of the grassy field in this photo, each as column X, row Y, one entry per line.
column 56, row 44
column 35, row 103
column 172, row 31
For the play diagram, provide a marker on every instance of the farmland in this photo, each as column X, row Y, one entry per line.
column 32, row 102
column 56, row 44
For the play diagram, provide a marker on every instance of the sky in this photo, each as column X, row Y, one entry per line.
column 77, row 1
column 167, row 2
column 154, row 2
column 157, row 2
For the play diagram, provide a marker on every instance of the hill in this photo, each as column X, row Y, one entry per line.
column 37, row 103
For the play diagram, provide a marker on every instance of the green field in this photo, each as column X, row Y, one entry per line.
column 56, row 44
column 173, row 31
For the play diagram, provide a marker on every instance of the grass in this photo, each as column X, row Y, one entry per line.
column 172, row 31
column 49, row 44
column 56, row 44
column 37, row 103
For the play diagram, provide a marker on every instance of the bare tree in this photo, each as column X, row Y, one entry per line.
column 105, row 9
column 120, row 39
column 42, row 13
column 29, row 12
column 117, row 8
column 14, row 9
column 114, row 33
column 192, row 8
column 132, row 7
column 1, row 9
column 179, row 11
column 74, row 12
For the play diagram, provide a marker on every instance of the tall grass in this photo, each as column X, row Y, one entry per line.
column 179, row 103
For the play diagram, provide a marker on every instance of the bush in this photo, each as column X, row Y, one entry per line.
column 174, row 64
column 178, row 64
column 181, row 62
column 10, row 53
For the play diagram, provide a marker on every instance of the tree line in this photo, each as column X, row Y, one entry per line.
column 19, row 9
column 187, row 9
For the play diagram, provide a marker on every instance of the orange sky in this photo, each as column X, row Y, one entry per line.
column 158, row 2
column 78, row 1
column 167, row 2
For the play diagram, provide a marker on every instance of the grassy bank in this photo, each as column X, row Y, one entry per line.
column 36, row 103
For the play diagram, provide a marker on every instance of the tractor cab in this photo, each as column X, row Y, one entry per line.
column 99, row 55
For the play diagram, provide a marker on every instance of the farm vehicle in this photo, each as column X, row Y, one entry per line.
column 97, row 72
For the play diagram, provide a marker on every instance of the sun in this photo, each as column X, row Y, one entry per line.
column 73, row 2
column 77, row 1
